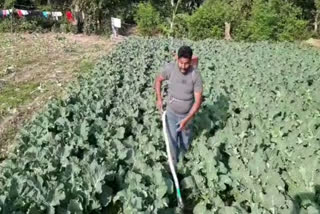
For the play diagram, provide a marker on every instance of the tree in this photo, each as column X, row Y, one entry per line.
column 99, row 12
column 147, row 18
column 209, row 20
column 317, row 14
column 275, row 20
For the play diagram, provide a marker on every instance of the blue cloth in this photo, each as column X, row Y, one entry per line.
column 179, row 140
column 45, row 14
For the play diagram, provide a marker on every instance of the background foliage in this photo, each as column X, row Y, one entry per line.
column 251, row 20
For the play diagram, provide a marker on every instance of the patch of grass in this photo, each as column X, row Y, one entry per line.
column 6, row 138
column 85, row 66
column 13, row 96
column 27, row 61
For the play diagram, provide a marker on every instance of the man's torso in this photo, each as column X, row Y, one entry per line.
column 181, row 89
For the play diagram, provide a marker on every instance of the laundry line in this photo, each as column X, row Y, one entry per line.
column 22, row 13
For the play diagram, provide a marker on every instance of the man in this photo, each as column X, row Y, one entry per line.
column 184, row 99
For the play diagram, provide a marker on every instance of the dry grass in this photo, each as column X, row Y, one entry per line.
column 35, row 68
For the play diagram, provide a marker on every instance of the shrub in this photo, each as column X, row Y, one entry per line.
column 148, row 19
column 180, row 28
column 208, row 21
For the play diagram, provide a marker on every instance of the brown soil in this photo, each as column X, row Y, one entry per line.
column 313, row 42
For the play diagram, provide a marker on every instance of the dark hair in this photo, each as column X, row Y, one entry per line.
column 185, row 52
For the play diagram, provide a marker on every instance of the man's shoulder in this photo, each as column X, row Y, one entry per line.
column 195, row 69
column 169, row 65
column 167, row 69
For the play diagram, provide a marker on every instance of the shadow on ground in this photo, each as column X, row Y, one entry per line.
column 307, row 202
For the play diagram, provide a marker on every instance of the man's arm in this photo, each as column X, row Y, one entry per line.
column 157, row 85
column 196, row 106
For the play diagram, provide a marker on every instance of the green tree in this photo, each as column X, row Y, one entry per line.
column 148, row 19
column 99, row 12
column 173, row 12
column 209, row 20
column 275, row 20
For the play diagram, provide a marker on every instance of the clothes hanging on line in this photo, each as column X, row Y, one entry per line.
column 56, row 15
column 35, row 13
column 70, row 17
column 25, row 12
column 46, row 14
column 19, row 13
column 4, row 13
column 22, row 13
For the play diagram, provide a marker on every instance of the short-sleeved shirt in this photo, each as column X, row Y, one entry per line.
column 181, row 87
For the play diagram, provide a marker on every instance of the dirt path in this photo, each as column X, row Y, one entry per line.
column 35, row 68
column 313, row 42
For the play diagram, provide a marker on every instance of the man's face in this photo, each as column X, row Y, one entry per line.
column 184, row 64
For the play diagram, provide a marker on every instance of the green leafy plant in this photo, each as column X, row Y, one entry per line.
column 255, row 147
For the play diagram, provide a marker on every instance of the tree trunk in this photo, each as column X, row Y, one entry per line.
column 175, row 8
column 227, row 35
column 316, row 22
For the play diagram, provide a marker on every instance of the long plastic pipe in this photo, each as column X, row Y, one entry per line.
column 170, row 160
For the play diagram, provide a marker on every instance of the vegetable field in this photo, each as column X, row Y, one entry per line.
column 256, row 147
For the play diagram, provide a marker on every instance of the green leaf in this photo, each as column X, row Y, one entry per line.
column 34, row 210
column 188, row 183
column 120, row 133
column 75, row 206
column 200, row 208
column 84, row 130
column 56, row 195
column 106, row 195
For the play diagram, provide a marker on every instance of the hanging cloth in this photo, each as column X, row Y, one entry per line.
column 56, row 15
column 24, row 12
column 45, row 14
column 70, row 17
column 20, row 14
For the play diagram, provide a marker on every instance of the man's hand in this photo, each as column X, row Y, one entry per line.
column 159, row 105
column 182, row 124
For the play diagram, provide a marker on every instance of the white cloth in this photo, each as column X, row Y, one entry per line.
column 116, row 22
column 24, row 12
column 56, row 15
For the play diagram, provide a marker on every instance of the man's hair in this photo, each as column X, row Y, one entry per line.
column 185, row 52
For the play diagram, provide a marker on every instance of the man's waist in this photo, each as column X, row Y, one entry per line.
column 172, row 111
column 174, row 98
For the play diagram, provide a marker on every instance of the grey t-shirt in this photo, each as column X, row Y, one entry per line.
column 181, row 87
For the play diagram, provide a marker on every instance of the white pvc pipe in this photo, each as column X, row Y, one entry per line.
column 170, row 160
